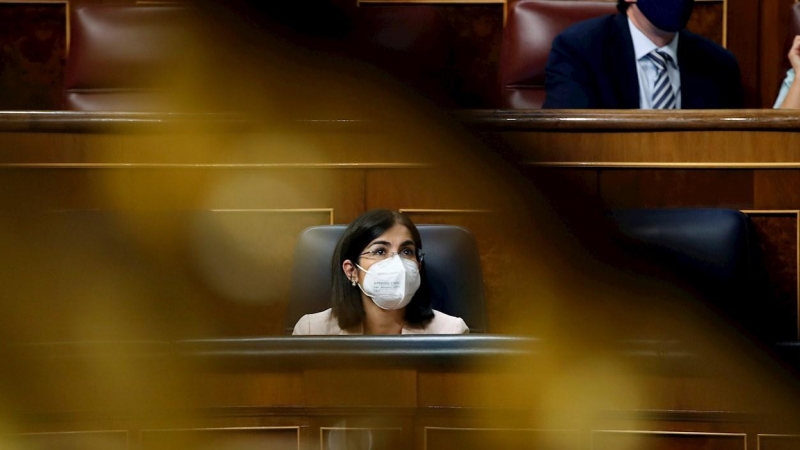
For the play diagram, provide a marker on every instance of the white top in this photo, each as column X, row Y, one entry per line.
column 647, row 70
column 784, row 88
column 323, row 323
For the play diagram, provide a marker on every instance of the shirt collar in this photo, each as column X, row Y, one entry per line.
column 642, row 45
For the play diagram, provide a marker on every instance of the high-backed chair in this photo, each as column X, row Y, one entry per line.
column 123, row 57
column 452, row 267
column 530, row 29
column 714, row 249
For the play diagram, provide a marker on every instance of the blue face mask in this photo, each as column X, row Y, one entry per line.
column 667, row 15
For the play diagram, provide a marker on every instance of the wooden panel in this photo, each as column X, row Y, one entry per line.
column 78, row 440
column 778, row 442
column 476, row 53
column 481, row 439
column 651, row 188
column 361, row 388
column 209, row 390
column 777, row 238
column 607, row 440
column 774, row 27
column 511, row 390
column 679, row 147
column 447, row 53
column 777, row 189
column 440, row 188
column 565, row 182
column 228, row 439
column 182, row 189
column 122, row 275
column 216, row 390
column 337, row 438
column 708, row 19
column 243, row 260
column 743, row 37
column 32, row 52
column 191, row 146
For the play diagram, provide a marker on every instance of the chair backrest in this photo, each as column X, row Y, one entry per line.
column 452, row 266
column 121, row 56
column 714, row 249
column 530, row 29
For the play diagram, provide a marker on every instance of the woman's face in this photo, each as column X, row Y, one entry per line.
column 396, row 240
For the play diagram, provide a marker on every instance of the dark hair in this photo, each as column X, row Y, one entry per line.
column 622, row 5
column 345, row 298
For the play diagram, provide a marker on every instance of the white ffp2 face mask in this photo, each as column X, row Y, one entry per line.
column 391, row 283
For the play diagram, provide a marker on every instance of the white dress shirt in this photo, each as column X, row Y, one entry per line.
column 647, row 70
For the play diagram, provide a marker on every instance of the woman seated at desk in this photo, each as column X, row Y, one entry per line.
column 378, row 284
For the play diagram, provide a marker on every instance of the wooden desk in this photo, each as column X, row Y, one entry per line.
column 432, row 392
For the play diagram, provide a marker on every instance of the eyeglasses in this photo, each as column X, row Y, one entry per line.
column 380, row 254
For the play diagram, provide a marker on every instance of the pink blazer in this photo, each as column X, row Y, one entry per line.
column 323, row 323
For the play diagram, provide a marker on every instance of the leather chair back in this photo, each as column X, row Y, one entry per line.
column 714, row 249
column 452, row 267
column 122, row 57
column 530, row 29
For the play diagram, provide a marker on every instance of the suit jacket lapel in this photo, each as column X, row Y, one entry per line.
column 689, row 87
column 622, row 62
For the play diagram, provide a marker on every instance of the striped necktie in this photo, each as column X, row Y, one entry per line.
column 663, row 95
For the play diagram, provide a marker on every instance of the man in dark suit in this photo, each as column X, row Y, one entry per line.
column 641, row 58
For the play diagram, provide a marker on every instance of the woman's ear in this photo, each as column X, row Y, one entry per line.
column 349, row 269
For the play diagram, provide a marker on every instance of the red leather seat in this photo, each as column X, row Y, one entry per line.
column 530, row 29
column 125, row 57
